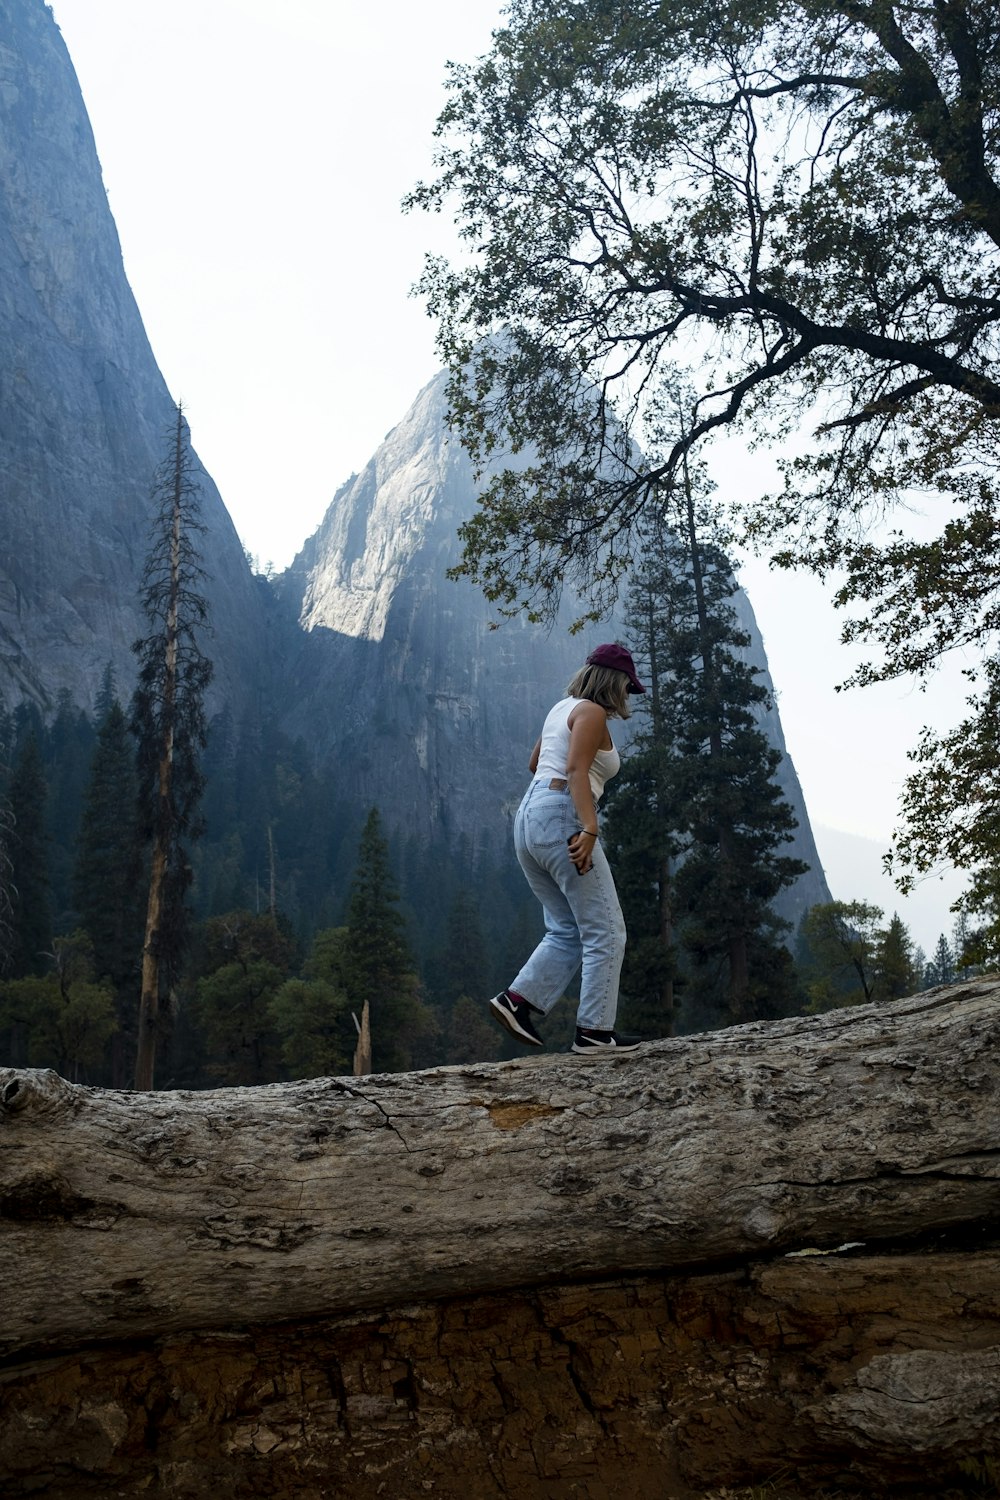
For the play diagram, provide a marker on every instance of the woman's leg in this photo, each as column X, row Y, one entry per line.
column 543, row 980
column 598, row 916
column 583, row 918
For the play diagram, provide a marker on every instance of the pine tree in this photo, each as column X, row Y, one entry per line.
column 963, row 941
column 698, row 819
column 644, row 826
column 107, row 694
column 67, row 753
column 107, row 877
column 895, row 972
column 168, row 720
column 29, row 867
column 378, row 970
column 461, row 966
column 736, row 815
column 6, row 886
column 941, row 967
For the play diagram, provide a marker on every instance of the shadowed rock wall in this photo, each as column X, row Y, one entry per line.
column 84, row 411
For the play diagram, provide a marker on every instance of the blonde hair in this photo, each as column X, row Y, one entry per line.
column 603, row 685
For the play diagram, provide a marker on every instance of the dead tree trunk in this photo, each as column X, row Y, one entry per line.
column 146, row 1214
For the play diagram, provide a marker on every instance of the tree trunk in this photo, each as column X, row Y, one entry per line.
column 638, row 1265
column 362, row 1065
column 147, row 1214
column 149, row 1001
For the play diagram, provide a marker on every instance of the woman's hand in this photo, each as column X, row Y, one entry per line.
column 581, row 850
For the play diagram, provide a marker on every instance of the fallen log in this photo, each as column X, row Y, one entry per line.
column 128, row 1215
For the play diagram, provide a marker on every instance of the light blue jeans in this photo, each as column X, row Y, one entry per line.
column 583, row 918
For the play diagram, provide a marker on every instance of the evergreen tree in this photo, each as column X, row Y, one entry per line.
column 470, row 1036
column 644, row 819
column 735, row 814
column 461, row 966
column 962, row 942
column 107, row 694
column 67, row 753
column 29, row 868
column 6, row 886
column 700, row 783
column 895, row 972
column 168, row 720
column 106, row 879
column 379, row 973
column 239, row 964
column 941, row 968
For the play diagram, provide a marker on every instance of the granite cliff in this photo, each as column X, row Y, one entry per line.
column 364, row 650
column 84, row 410
column 401, row 674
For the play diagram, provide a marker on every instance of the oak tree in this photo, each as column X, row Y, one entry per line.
column 799, row 199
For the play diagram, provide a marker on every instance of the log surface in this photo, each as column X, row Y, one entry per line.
column 147, row 1214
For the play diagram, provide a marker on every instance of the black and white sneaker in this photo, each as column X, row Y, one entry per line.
column 601, row 1043
column 515, row 1016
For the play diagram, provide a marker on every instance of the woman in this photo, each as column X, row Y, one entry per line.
column 557, row 841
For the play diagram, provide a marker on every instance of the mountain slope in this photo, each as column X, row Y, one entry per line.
column 84, row 411
column 400, row 675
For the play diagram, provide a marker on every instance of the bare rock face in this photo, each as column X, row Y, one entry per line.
column 402, row 674
column 84, row 412
column 774, row 1248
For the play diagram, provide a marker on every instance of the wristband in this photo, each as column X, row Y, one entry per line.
column 592, row 834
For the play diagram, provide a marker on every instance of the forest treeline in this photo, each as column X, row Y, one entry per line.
column 194, row 903
column 302, row 906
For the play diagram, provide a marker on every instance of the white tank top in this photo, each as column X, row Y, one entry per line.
column 554, row 751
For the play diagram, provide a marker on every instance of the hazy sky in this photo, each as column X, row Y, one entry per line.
column 255, row 153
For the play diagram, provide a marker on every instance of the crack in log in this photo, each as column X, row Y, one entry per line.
column 387, row 1120
column 928, row 1170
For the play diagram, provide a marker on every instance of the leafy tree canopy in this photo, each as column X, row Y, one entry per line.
column 799, row 201
column 801, row 195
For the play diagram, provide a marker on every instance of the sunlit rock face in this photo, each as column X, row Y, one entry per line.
column 401, row 676
column 84, row 411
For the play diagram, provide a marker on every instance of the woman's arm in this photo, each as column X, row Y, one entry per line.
column 588, row 729
column 533, row 762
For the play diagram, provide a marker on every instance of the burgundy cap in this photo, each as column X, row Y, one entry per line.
column 619, row 660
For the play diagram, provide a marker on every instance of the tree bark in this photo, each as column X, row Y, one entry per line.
column 845, row 1375
column 145, row 1214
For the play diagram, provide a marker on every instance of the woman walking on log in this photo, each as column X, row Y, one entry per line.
column 557, row 840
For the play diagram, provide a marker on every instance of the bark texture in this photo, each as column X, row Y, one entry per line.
column 526, row 1279
column 817, row 1375
column 143, row 1214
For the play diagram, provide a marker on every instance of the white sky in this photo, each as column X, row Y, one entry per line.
column 255, row 153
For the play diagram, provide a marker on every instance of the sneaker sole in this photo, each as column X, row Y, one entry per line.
column 509, row 1023
column 599, row 1049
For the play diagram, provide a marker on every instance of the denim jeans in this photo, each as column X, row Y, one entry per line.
column 583, row 919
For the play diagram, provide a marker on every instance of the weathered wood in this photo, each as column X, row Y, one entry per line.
column 127, row 1214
